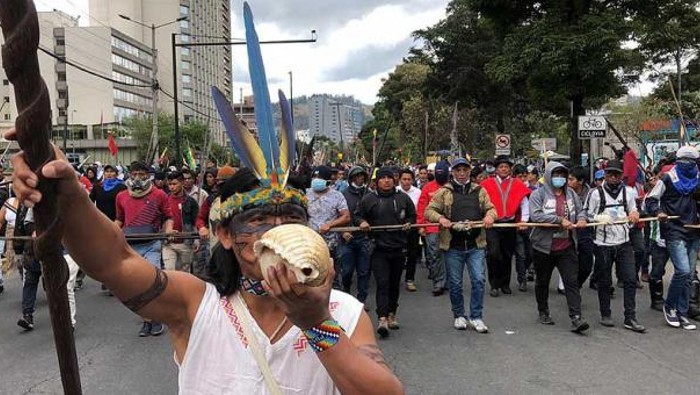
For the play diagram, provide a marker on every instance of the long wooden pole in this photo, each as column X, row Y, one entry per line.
column 20, row 27
column 480, row 224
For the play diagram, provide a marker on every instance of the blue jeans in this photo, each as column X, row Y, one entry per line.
column 355, row 256
column 32, row 275
column 150, row 252
column 475, row 260
column 684, row 258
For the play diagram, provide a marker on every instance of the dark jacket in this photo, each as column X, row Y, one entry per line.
column 353, row 196
column 665, row 198
column 391, row 208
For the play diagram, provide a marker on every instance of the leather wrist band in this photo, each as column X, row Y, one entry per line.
column 324, row 335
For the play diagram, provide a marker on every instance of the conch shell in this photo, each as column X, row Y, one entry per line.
column 301, row 249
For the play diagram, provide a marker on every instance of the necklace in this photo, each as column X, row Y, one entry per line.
column 279, row 326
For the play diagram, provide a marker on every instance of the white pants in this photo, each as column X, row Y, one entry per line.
column 72, row 275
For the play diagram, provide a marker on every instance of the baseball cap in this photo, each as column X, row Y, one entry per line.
column 687, row 152
column 460, row 162
column 322, row 172
column 614, row 165
column 599, row 174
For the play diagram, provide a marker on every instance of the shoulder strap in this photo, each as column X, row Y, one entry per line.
column 602, row 204
column 270, row 381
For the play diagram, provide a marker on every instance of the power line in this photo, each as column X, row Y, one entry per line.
column 184, row 104
column 85, row 70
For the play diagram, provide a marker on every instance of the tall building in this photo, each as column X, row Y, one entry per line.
column 338, row 118
column 84, row 106
column 197, row 67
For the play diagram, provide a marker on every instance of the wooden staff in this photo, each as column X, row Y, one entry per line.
column 20, row 27
column 480, row 224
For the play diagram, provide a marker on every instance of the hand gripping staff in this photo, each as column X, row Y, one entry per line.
column 20, row 27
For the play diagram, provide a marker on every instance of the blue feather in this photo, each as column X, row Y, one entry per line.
column 263, row 106
column 242, row 141
column 287, row 137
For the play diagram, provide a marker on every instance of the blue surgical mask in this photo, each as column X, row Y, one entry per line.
column 319, row 185
column 558, row 182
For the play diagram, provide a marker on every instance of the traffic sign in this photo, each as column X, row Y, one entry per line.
column 502, row 144
column 592, row 127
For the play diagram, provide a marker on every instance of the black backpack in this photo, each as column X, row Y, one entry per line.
column 22, row 229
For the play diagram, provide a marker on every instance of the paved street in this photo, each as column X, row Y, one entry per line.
column 518, row 356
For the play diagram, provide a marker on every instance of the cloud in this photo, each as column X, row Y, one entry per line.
column 367, row 62
column 356, row 55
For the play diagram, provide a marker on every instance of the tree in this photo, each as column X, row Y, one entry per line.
column 568, row 54
column 668, row 31
column 192, row 134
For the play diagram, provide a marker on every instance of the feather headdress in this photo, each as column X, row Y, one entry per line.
column 269, row 157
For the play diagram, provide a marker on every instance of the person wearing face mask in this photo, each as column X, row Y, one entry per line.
column 387, row 206
column 555, row 203
column 510, row 196
column 143, row 208
column 327, row 209
column 435, row 261
column 673, row 196
column 457, row 201
column 355, row 247
column 614, row 201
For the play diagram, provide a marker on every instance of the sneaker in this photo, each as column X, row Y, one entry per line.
column 607, row 321
column 460, row 323
column 634, row 326
column 494, row 292
column 578, row 324
column 145, row 330
column 546, row 319
column 383, row 328
column 26, row 322
column 530, row 275
column 438, row 291
column 686, row 324
column 411, row 286
column 478, row 325
column 392, row 323
column 506, row 290
column 157, row 328
column 522, row 287
column 671, row 316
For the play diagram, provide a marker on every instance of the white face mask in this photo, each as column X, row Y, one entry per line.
column 358, row 186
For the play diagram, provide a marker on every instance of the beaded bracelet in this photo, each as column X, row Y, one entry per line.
column 324, row 335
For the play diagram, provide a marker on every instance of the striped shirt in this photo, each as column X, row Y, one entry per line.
column 151, row 210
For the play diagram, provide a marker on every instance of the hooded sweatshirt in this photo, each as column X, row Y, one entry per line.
column 666, row 198
column 387, row 208
column 543, row 210
column 353, row 196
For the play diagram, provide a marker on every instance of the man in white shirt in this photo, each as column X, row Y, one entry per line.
column 613, row 201
column 406, row 179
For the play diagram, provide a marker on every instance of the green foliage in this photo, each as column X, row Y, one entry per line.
column 192, row 133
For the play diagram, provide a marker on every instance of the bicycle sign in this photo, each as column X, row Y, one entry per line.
column 592, row 127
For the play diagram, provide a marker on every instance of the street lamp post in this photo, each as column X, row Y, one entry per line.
column 154, row 83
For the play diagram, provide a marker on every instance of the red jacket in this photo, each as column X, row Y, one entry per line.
column 427, row 193
column 518, row 191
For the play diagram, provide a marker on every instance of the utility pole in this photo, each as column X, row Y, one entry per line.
column 222, row 43
column 154, row 90
column 155, row 87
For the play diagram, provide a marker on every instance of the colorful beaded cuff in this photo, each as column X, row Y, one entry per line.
column 323, row 336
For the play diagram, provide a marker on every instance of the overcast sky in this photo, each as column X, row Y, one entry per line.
column 359, row 41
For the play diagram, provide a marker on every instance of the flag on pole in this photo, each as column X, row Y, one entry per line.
column 189, row 158
column 113, row 149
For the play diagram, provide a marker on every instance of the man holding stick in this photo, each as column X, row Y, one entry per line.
column 607, row 203
column 555, row 203
column 509, row 195
column 673, row 195
column 462, row 200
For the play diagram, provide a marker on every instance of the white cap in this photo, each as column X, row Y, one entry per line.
column 687, row 151
column 431, row 166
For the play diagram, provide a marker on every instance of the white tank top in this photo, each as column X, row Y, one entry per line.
column 10, row 212
column 219, row 361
